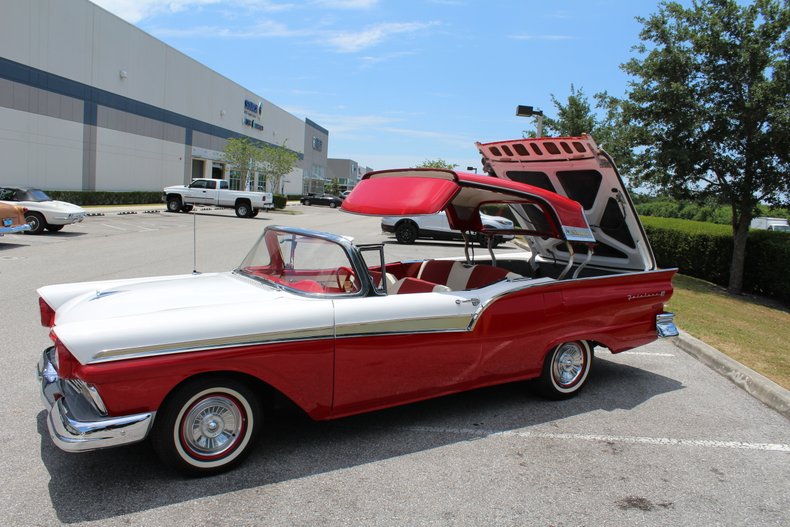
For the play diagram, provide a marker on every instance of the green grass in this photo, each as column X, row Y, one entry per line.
column 752, row 331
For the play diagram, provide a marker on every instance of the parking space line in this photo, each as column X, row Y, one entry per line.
column 112, row 226
column 662, row 441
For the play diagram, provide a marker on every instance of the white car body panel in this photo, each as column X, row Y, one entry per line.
column 180, row 313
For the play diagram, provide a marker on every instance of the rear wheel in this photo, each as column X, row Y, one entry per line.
column 207, row 426
column 565, row 370
column 36, row 222
column 243, row 210
column 54, row 228
column 406, row 232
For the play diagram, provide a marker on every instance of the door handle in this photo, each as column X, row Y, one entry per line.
column 474, row 301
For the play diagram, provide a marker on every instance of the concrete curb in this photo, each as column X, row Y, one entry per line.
column 756, row 385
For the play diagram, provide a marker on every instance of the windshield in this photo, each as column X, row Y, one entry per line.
column 32, row 194
column 308, row 264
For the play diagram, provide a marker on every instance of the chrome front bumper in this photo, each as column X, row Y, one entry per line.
column 665, row 325
column 74, row 425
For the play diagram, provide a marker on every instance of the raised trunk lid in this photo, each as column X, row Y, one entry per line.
column 575, row 167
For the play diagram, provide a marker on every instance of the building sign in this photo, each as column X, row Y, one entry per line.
column 253, row 112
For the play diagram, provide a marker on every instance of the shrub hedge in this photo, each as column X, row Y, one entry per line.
column 279, row 201
column 704, row 250
column 688, row 210
column 105, row 198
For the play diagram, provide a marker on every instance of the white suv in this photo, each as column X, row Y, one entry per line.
column 408, row 228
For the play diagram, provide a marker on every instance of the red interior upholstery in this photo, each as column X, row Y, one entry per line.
column 436, row 271
column 483, row 275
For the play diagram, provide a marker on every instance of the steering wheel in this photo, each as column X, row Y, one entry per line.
column 345, row 279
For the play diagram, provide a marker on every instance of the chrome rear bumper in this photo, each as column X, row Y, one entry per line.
column 74, row 425
column 665, row 325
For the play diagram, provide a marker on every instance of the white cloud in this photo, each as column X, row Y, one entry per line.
column 370, row 60
column 264, row 28
column 350, row 42
column 542, row 37
column 136, row 10
column 346, row 4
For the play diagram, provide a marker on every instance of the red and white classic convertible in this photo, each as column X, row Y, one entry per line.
column 338, row 329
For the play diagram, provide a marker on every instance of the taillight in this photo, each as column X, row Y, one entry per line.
column 64, row 361
column 47, row 313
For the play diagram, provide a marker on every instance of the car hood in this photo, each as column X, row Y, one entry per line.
column 114, row 320
column 52, row 206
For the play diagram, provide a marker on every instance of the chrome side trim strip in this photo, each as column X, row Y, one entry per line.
column 213, row 344
column 394, row 327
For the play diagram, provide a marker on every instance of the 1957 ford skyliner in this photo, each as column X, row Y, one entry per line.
column 338, row 329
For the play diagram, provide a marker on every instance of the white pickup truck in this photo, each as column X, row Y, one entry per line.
column 181, row 198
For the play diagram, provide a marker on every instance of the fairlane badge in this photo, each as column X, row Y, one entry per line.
column 646, row 295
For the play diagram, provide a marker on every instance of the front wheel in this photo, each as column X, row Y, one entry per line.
column 565, row 370
column 36, row 222
column 174, row 205
column 207, row 426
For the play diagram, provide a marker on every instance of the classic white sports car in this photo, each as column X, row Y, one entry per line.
column 339, row 328
column 42, row 211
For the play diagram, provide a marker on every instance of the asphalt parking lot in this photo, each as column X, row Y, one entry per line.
column 656, row 438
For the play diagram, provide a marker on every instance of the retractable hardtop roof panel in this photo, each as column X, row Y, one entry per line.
column 410, row 192
column 575, row 167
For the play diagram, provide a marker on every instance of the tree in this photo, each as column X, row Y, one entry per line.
column 244, row 155
column 277, row 162
column 436, row 163
column 605, row 125
column 573, row 119
column 710, row 98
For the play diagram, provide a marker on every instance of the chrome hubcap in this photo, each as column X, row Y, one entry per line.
column 212, row 426
column 568, row 364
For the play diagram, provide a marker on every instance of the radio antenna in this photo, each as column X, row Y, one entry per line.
column 194, row 243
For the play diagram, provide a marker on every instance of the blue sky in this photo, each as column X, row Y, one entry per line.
column 397, row 82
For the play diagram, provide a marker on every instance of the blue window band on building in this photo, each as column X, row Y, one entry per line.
column 36, row 91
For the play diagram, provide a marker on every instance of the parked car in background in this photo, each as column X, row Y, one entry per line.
column 409, row 228
column 770, row 224
column 322, row 199
column 42, row 211
column 216, row 192
column 12, row 219
column 194, row 361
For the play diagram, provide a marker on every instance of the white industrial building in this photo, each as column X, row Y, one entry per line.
column 91, row 102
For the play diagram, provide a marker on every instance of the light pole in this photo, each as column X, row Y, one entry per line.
column 528, row 111
column 472, row 169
